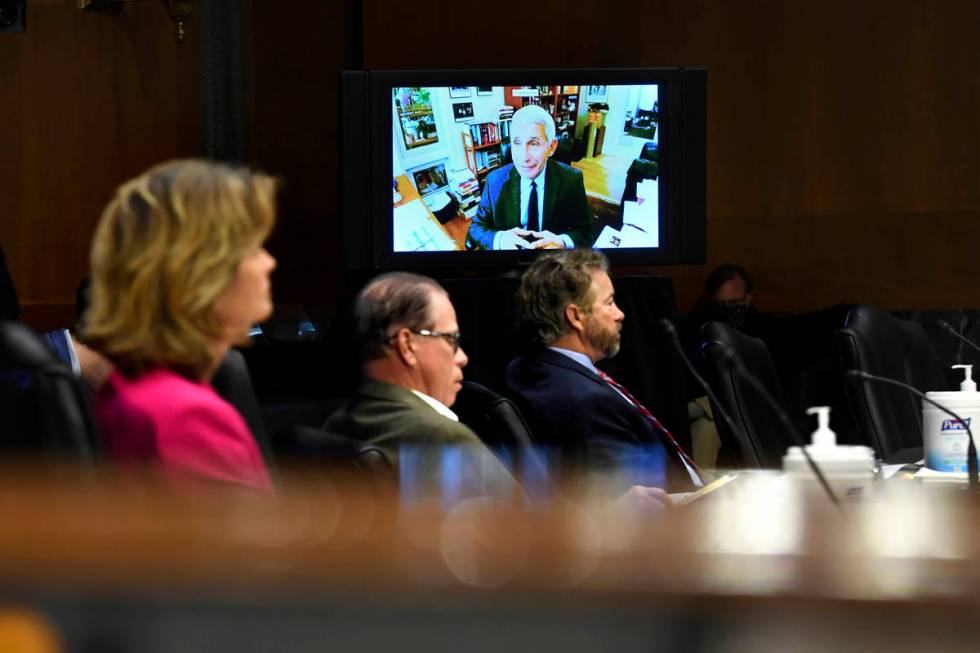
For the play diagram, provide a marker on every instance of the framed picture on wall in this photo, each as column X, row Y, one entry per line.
column 484, row 90
column 596, row 94
column 463, row 111
column 414, row 108
column 461, row 91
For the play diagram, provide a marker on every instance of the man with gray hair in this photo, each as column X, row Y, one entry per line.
column 567, row 304
column 533, row 203
column 412, row 366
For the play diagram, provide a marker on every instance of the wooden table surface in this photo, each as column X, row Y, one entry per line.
column 764, row 553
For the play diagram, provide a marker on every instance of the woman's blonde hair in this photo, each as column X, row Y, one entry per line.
column 166, row 248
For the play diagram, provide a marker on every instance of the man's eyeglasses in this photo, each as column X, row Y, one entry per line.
column 452, row 337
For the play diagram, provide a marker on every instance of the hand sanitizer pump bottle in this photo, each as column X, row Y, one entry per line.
column 945, row 439
column 849, row 469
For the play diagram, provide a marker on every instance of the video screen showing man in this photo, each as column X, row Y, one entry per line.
column 533, row 202
column 467, row 160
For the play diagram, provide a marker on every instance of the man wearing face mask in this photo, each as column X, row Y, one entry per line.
column 729, row 288
column 727, row 298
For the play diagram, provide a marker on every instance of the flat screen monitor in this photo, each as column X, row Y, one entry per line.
column 489, row 168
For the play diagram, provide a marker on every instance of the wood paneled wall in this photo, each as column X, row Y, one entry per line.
column 87, row 100
column 843, row 138
column 297, row 57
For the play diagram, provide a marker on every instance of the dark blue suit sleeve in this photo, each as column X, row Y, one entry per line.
column 57, row 342
column 482, row 229
column 612, row 444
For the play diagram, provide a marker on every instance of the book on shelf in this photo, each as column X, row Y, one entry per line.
column 466, row 189
column 460, row 176
column 487, row 159
column 489, row 133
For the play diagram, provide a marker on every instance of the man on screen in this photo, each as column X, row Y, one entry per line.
column 533, row 203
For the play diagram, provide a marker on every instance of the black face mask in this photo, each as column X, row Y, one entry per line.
column 731, row 314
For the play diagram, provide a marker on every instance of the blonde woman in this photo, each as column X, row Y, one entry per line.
column 179, row 275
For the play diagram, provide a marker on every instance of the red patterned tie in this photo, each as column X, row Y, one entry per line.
column 646, row 413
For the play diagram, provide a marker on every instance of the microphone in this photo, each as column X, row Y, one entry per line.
column 739, row 368
column 946, row 326
column 971, row 448
column 668, row 328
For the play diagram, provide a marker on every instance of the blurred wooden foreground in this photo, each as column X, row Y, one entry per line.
column 333, row 560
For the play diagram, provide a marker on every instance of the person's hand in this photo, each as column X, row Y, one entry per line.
column 547, row 240
column 643, row 499
column 513, row 239
column 95, row 368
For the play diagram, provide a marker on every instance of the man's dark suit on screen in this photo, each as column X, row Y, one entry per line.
column 566, row 208
column 587, row 421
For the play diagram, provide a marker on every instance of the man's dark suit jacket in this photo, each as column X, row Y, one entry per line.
column 566, row 208
column 590, row 424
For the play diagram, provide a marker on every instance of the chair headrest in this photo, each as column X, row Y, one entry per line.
column 475, row 391
column 21, row 348
column 719, row 332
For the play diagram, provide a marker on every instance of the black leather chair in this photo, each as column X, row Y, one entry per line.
column 44, row 410
column 493, row 417
column 234, row 383
column 298, row 444
column 889, row 418
column 761, row 439
column 500, row 425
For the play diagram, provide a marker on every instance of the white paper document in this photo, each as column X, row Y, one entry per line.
column 640, row 229
column 415, row 231
column 646, row 191
column 644, row 217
